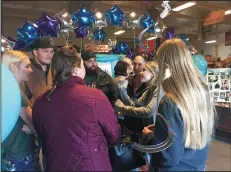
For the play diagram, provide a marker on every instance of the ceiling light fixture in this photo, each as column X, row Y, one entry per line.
column 132, row 14
column 119, row 32
column 167, row 8
column 64, row 15
column 157, row 30
column 210, row 42
column 227, row 12
column 99, row 15
column 184, row 6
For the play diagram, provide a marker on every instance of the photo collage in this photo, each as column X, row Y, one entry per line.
column 219, row 84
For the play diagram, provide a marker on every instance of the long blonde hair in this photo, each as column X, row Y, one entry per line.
column 13, row 57
column 188, row 90
column 152, row 66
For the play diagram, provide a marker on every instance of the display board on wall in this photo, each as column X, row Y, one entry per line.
column 219, row 83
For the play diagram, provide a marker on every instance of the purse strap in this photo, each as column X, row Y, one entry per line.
column 168, row 141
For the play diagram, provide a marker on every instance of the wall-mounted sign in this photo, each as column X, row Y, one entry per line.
column 214, row 18
column 228, row 38
column 97, row 48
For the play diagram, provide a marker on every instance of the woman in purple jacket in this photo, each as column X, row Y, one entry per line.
column 76, row 123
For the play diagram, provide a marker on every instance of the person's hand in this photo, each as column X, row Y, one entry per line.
column 146, row 131
column 118, row 104
column 27, row 130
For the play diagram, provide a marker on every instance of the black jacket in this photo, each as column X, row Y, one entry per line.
column 101, row 81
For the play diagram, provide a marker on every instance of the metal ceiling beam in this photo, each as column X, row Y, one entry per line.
column 183, row 16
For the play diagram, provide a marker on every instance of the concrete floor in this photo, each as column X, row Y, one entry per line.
column 219, row 157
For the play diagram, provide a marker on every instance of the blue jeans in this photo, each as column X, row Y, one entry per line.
column 29, row 163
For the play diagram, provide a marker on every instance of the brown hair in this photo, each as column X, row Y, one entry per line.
column 146, row 56
column 152, row 66
column 62, row 64
column 120, row 68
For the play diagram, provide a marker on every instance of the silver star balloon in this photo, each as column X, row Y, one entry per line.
column 67, row 23
column 133, row 20
column 160, row 25
column 6, row 44
column 100, row 20
column 111, row 43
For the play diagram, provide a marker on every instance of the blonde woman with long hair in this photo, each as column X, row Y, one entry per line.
column 19, row 147
column 188, row 108
column 186, row 105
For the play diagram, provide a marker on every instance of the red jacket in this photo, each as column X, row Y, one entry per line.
column 76, row 126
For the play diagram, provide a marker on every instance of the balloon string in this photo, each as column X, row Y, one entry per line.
column 115, row 35
column 134, row 39
column 81, row 43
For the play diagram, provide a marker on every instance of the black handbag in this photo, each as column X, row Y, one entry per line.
column 126, row 156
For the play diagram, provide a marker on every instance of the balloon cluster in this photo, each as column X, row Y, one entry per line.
column 82, row 21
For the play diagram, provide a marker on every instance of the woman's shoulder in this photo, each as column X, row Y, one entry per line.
column 167, row 106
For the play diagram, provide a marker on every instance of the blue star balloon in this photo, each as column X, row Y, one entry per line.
column 99, row 35
column 19, row 45
column 81, row 32
column 48, row 26
column 146, row 21
column 83, row 18
column 115, row 16
column 122, row 47
column 184, row 38
column 131, row 54
column 169, row 33
column 28, row 33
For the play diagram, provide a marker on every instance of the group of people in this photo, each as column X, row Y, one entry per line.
column 72, row 110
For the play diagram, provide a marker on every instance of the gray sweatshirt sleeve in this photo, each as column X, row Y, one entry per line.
column 143, row 111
